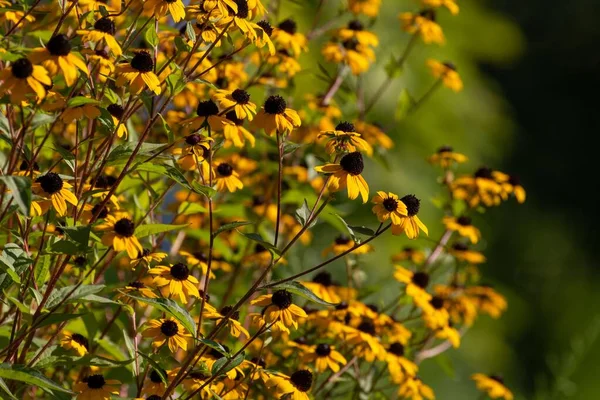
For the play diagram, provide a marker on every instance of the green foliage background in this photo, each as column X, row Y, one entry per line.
column 515, row 65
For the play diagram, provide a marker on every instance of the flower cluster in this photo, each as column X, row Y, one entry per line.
column 162, row 182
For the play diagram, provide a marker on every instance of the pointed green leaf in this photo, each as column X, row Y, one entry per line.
column 152, row 229
column 30, row 376
column 303, row 291
column 171, row 307
column 20, row 191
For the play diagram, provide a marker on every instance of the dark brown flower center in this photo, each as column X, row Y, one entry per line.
column 80, row 339
column 169, row 328
column 460, row 247
column 22, row 68
column 342, row 239
column 323, row 278
column 259, row 361
column 464, row 220
column 101, row 212
column 242, row 6
column 95, row 381
column 275, row 105
column 59, row 45
column 193, row 139
column 155, row 376
column 136, row 284
column 197, row 375
column 302, row 380
column 80, row 261
column 355, row 25
column 353, row 163
column 105, row 25
column 497, row 378
column 421, row 279
column 397, row 349
column 180, row 271
column 437, row 302
column 266, row 26
column 124, row 227
column 350, row 44
column 367, row 326
column 240, row 96
column 207, row 108
column 224, row 169
column 428, row 13
column 390, row 204
column 116, row 110
column 154, row 397
column 412, row 204
column 323, row 350
column 51, row 183
column 232, row 116
column 288, row 26
column 514, row 180
column 484, row 172
column 345, row 126
column 445, row 149
column 142, row 62
column 450, row 65
column 282, row 299
column 227, row 309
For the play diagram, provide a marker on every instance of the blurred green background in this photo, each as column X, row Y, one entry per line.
column 530, row 73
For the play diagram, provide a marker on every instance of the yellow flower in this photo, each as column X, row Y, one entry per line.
column 463, row 226
column 356, row 30
column 228, row 180
column 324, row 356
column 286, row 36
column 167, row 330
column 195, row 151
column 373, row 134
column 207, row 114
column 117, row 112
column 147, row 257
column 70, row 114
column 412, row 387
column 139, row 74
column 237, row 100
column 276, row 117
column 119, row 232
column 493, row 386
column 487, row 300
column 345, row 139
column 104, row 30
column 423, row 24
column 95, row 387
column 57, row 54
column 347, row 174
column 175, row 280
column 370, row 8
column 447, row 73
column 235, row 328
column 462, row 253
column 343, row 243
column 136, row 288
column 416, row 282
column 294, row 387
column 410, row 224
column 161, row 8
column 51, row 187
column 512, row 185
column 357, row 56
column 99, row 59
column 388, row 206
column 76, row 342
column 22, row 78
column 445, row 157
column 234, row 131
column 280, row 310
column 363, row 339
column 398, row 365
column 449, row 4
column 434, row 314
column 408, row 253
column 482, row 187
column 447, row 332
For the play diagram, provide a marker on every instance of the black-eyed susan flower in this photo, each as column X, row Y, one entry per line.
column 481, row 187
column 76, row 342
column 445, row 157
column 237, row 100
column 423, row 24
column 235, row 328
column 347, row 173
column 293, row 387
column 350, row 52
column 207, row 114
column 195, row 150
column 146, row 257
column 388, row 206
column 280, row 310
column 161, row 8
column 414, row 388
column 234, row 131
column 398, row 365
column 286, row 36
column 139, row 74
column 463, row 225
column 119, row 232
column 325, row 357
column 344, row 139
column 447, row 73
column 434, row 313
column 462, row 253
column 356, row 30
column 363, row 339
column 175, row 280
column 103, row 31
column 137, row 288
column 322, row 286
column 276, row 117
column 410, row 224
column 57, row 55
column 487, row 300
column 492, row 385
column 416, row 282
column 370, row 8
column 195, row 380
column 154, row 384
column 227, row 179
column 264, row 39
column 53, row 190
column 409, row 253
column 449, row 4
column 373, row 134
column 101, row 62
column 512, row 185
column 88, row 110
column 117, row 112
column 22, row 78
column 167, row 330
column 95, row 387
column 343, row 243
column 449, row 333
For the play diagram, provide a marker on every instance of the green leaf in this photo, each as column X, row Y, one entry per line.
column 303, row 213
column 348, row 228
column 58, row 295
column 187, row 208
column 63, row 247
column 303, row 291
column 171, row 307
column 4, row 387
column 155, row 366
column 67, row 156
column 189, row 30
column 80, row 101
column 445, row 363
column 13, row 261
column 42, row 119
column 405, row 103
column 20, row 191
column 363, row 230
column 393, row 69
column 41, row 269
column 214, row 345
column 78, row 234
column 30, row 376
column 175, row 82
column 205, row 190
column 103, row 11
column 152, row 229
column 259, row 239
column 122, row 152
column 165, row 170
column 290, row 147
column 181, row 45
column 217, row 368
column 151, row 37
column 231, row 226
column 56, row 318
